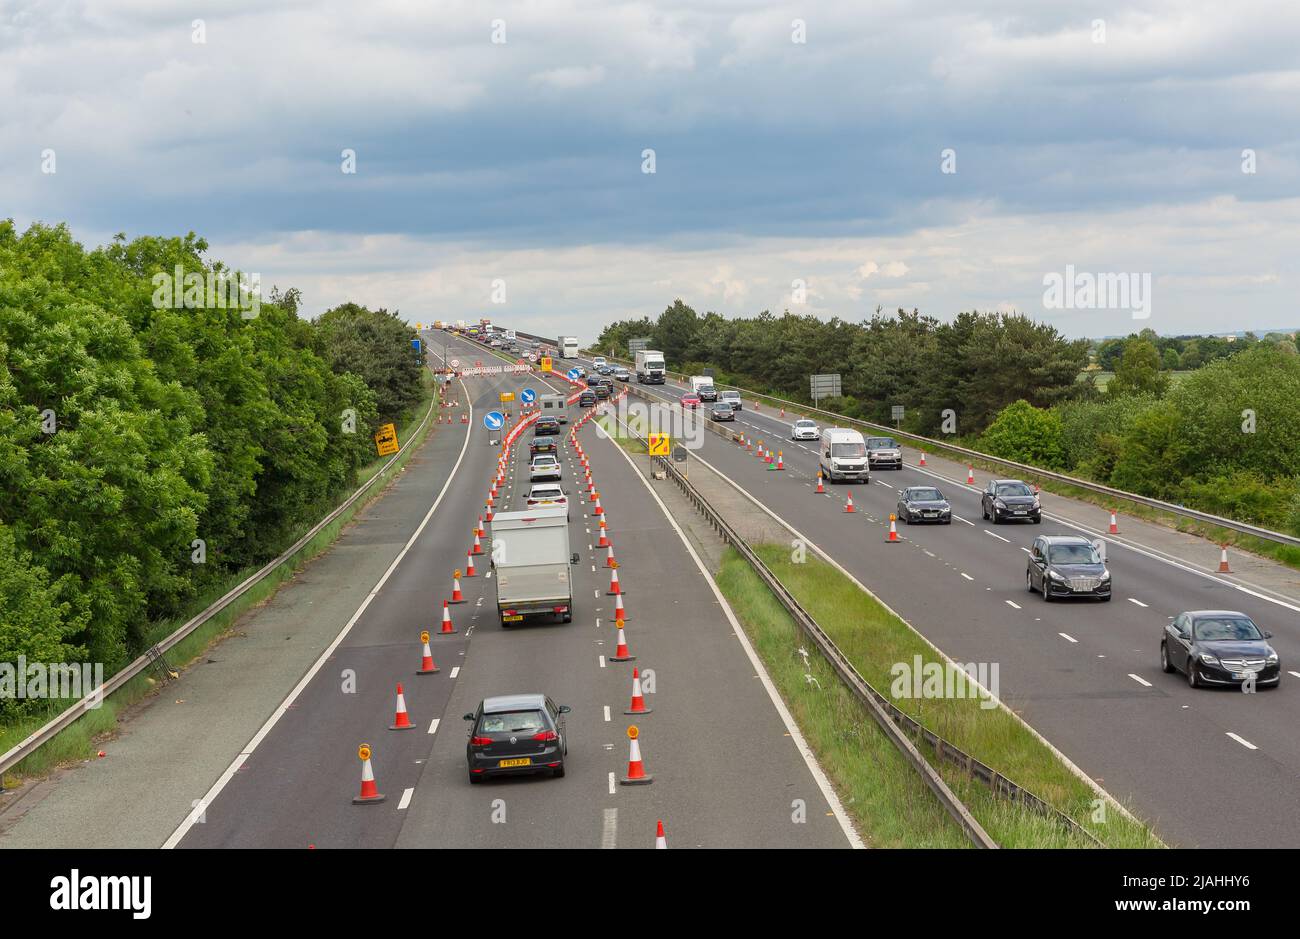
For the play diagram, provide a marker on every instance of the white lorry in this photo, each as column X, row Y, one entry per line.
column 556, row 406
column 650, row 369
column 568, row 347
column 843, row 455
column 531, row 561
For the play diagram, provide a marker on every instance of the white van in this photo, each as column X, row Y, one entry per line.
column 843, row 455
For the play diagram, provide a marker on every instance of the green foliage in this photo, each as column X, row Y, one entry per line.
column 1026, row 434
column 374, row 345
column 1138, row 371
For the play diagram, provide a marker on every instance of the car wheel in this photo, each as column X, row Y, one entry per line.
column 1165, row 666
column 475, row 780
column 1193, row 680
column 1047, row 594
column 1039, row 521
column 1029, row 581
column 984, row 513
column 559, row 771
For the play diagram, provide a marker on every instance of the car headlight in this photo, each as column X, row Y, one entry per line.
column 1105, row 575
column 999, row 503
column 1054, row 575
column 1209, row 659
column 1036, row 502
column 1272, row 658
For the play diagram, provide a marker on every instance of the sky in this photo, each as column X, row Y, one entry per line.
column 823, row 157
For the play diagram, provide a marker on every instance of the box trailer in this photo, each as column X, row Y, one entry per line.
column 531, row 562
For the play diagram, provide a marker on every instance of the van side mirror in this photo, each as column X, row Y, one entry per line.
column 574, row 559
column 469, row 717
column 565, row 709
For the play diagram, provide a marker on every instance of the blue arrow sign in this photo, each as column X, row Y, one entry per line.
column 494, row 420
column 528, row 396
column 415, row 344
column 573, row 374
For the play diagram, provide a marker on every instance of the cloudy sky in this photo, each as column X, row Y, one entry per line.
column 945, row 154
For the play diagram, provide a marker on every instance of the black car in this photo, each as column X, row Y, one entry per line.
column 707, row 393
column 545, row 426
column 543, row 444
column 594, row 379
column 605, row 369
column 622, row 374
column 1067, row 566
column 1219, row 647
column 1005, row 499
column 602, row 390
column 722, row 411
column 587, row 399
column 514, row 734
column 924, row 504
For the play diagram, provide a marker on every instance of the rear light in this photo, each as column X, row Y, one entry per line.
column 510, row 612
column 480, row 741
column 560, row 609
column 546, row 736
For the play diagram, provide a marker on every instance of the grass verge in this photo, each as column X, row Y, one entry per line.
column 76, row 742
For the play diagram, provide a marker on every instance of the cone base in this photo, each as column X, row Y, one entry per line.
column 401, row 727
column 639, row 781
column 621, row 658
column 620, row 593
column 642, row 711
column 366, row 800
column 446, row 632
column 454, row 602
column 428, row 671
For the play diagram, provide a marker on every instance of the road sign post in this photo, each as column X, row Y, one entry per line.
column 896, row 412
column 824, row 386
column 659, row 445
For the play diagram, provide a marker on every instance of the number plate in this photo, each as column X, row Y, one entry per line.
column 504, row 764
column 512, row 619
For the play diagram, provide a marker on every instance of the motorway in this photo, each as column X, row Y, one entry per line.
column 728, row 768
column 1207, row 767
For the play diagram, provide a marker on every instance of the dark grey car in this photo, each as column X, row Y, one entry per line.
column 1219, row 647
column 1008, row 499
column 722, row 411
column 1066, row 566
column 516, row 734
column 924, row 504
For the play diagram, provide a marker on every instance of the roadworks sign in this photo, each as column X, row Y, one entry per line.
column 660, row 444
column 386, row 440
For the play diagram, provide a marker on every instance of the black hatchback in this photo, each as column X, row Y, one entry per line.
column 516, row 734
column 546, row 426
column 1067, row 566
column 1219, row 647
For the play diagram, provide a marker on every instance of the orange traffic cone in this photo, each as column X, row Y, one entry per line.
column 426, row 663
column 970, row 475
column 636, row 774
column 759, row 451
column 478, row 545
column 369, row 789
column 821, row 489
column 1223, row 560
column 620, row 615
column 780, row 460
column 1114, row 525
column 621, row 654
column 446, row 619
column 638, row 702
column 614, row 588
column 488, row 517
column 469, row 566
column 922, row 458
column 609, row 556
column 849, row 507
column 479, row 531
column 604, row 535
column 893, row 531
column 456, row 595
column 401, row 721
column 598, row 510
column 660, row 840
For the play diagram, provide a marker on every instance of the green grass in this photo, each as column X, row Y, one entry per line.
column 874, row 639
column 77, row 742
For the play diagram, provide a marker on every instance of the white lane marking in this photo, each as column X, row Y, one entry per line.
column 928, row 551
column 1013, row 603
column 607, row 712
column 611, row 784
column 1296, row 674
column 967, row 576
column 1067, row 637
column 1245, row 743
column 406, row 799
column 181, row 829
column 1140, row 680
column 609, row 829
column 455, row 671
column 967, row 521
column 1138, row 602
column 602, row 661
column 810, row 759
column 433, row 728
column 999, row 537
column 1024, row 549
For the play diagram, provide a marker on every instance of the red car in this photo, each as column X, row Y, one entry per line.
column 690, row 400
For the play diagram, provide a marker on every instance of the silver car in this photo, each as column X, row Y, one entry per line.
column 804, row 429
column 545, row 466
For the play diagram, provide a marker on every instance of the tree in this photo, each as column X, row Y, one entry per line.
column 374, row 345
column 1026, row 434
column 1138, row 371
column 1169, row 360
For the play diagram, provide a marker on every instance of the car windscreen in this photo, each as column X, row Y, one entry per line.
column 806, row 424
column 848, row 450
column 513, row 722
column 722, row 406
column 925, row 495
column 878, row 443
column 1226, row 627
column 1072, row 554
column 545, row 459
column 731, row 395
column 1014, row 489
column 545, row 493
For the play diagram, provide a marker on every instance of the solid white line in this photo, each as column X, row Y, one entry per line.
column 609, row 830
column 967, row 576
column 1140, row 680
column 1013, row 603
column 611, row 784
column 1067, row 637
column 602, row 661
column 607, row 712
column 406, row 799
column 433, row 728
column 810, row 759
column 1245, row 743
column 999, row 537
column 1138, row 602
column 455, row 671
column 279, row 712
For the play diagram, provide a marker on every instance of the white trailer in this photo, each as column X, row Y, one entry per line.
column 531, row 561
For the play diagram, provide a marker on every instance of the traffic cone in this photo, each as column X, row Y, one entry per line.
column 638, row 702
column 783, row 410
column 614, row 588
column 488, row 517
column 780, row 460
column 749, row 444
column 478, row 545
column 759, row 451
column 479, row 531
column 598, row 510
column 426, row 664
column 636, row 774
column 447, row 628
column 821, row 489
column 456, row 595
column 609, row 556
column 893, row 531
column 604, row 535
column 1114, row 525
column 621, row 653
column 922, row 458
column 849, row 507
column 970, row 475
column 1223, row 560
column 369, row 789
column 660, row 840
column 401, row 720
column 620, row 615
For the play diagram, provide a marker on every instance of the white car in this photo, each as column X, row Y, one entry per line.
column 547, row 494
column 804, row 429
column 544, row 466
column 732, row 398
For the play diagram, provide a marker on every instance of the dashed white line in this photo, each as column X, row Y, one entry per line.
column 406, row 799
column 609, row 830
column 1140, row 680
column 433, row 728
column 999, row 537
column 967, row 576
column 602, row 661
column 1013, row 603
column 1067, row 637
column 1138, row 602
column 455, row 671
column 1245, row 743
column 611, row 784
column 966, row 521
column 607, row 712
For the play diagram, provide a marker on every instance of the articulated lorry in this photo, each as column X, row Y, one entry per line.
column 531, row 560
column 650, row 369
